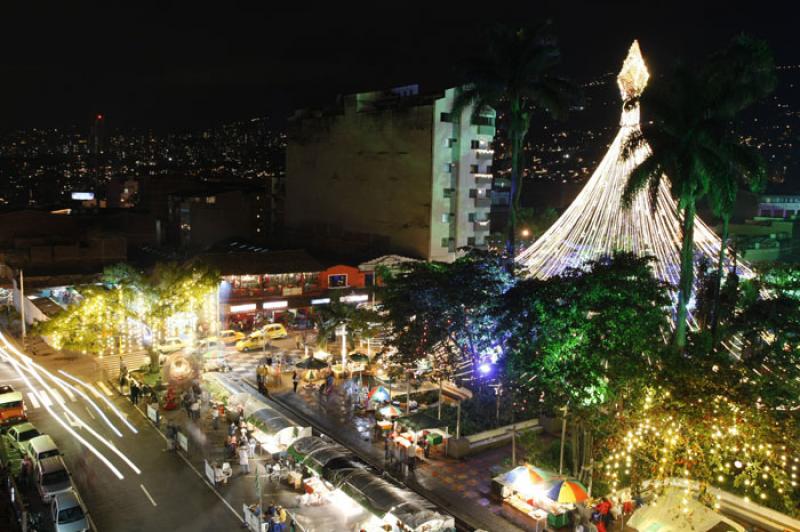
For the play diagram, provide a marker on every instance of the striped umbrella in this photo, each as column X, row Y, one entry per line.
column 567, row 491
column 390, row 411
column 378, row 393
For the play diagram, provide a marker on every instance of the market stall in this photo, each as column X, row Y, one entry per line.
column 338, row 473
column 669, row 513
column 537, row 499
column 273, row 431
column 429, row 433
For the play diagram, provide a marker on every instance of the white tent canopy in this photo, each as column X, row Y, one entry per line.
column 666, row 514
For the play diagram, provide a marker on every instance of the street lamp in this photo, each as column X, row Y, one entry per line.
column 525, row 233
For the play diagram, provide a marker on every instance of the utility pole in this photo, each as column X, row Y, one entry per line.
column 563, row 439
column 22, row 305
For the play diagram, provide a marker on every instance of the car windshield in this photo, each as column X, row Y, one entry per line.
column 46, row 454
column 11, row 404
column 56, row 477
column 70, row 515
column 28, row 434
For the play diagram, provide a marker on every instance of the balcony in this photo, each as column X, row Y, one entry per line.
column 483, row 154
column 482, row 179
column 486, row 130
column 483, row 201
column 480, row 226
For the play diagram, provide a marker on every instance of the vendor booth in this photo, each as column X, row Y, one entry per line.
column 537, row 499
column 338, row 472
column 273, row 431
column 670, row 514
column 426, row 431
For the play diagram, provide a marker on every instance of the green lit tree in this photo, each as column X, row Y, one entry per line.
column 590, row 339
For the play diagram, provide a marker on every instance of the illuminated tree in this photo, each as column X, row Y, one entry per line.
column 590, row 339
column 688, row 134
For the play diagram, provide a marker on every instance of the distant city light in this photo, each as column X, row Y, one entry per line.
column 268, row 305
column 249, row 307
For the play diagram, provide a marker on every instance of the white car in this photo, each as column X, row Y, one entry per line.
column 171, row 345
column 69, row 513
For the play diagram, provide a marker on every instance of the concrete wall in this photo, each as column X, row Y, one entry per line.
column 367, row 173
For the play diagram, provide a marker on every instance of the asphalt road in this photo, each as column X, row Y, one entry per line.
column 167, row 494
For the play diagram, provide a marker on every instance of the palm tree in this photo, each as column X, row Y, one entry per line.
column 688, row 131
column 742, row 74
column 516, row 71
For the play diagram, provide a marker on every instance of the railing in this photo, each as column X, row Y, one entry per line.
column 480, row 226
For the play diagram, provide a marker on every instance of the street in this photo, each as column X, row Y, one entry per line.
column 168, row 494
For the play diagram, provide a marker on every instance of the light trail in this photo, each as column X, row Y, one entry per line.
column 92, row 448
column 29, row 360
column 34, row 369
column 89, row 429
column 105, row 400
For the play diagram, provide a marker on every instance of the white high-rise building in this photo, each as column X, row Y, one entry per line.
column 391, row 171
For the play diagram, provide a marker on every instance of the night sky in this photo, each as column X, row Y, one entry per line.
column 175, row 65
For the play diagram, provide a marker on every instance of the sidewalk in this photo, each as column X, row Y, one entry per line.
column 207, row 443
column 444, row 481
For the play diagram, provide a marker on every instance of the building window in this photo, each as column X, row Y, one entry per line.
column 445, row 117
column 471, row 241
column 471, row 217
column 445, row 242
column 447, row 193
column 448, row 167
column 446, row 218
column 473, row 169
column 211, row 200
column 476, row 144
column 369, row 279
column 450, row 142
column 337, row 281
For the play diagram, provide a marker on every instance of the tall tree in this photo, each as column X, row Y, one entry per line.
column 588, row 339
column 516, row 71
column 739, row 75
column 687, row 127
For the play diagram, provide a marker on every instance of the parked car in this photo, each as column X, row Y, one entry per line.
column 171, row 345
column 69, row 513
column 52, row 477
column 12, row 407
column 19, row 434
column 230, row 337
column 41, row 447
column 253, row 341
column 275, row 330
column 209, row 347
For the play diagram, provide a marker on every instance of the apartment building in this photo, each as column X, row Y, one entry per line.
column 392, row 172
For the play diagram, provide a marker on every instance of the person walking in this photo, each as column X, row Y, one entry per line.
column 244, row 459
column 195, row 408
column 251, row 447
column 259, row 380
column 215, row 417
column 295, row 380
column 134, row 392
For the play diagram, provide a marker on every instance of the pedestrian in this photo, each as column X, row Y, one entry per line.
column 244, row 460
column 329, row 383
column 297, row 341
column 134, row 392
column 25, row 471
column 251, row 448
column 295, row 380
column 215, row 418
column 232, row 429
column 123, row 374
column 195, row 408
column 259, row 380
column 269, row 361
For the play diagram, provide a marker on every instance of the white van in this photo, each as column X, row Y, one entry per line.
column 52, row 477
column 41, row 447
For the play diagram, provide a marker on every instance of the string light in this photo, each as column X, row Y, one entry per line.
column 596, row 224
